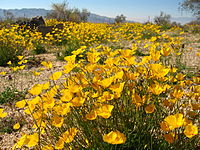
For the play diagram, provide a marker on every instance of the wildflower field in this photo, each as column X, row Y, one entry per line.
column 126, row 86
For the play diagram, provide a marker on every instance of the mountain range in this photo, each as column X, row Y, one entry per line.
column 32, row 12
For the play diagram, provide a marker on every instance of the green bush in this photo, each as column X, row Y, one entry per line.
column 39, row 49
column 9, row 53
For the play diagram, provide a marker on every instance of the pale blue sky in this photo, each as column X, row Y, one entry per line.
column 132, row 9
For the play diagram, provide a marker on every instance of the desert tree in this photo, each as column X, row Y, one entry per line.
column 75, row 15
column 79, row 16
column 84, row 15
column 120, row 18
column 62, row 12
column 163, row 19
column 192, row 6
column 8, row 15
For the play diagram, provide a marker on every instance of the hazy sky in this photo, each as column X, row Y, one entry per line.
column 132, row 9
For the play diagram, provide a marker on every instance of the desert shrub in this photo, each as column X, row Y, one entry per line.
column 120, row 19
column 12, row 44
column 39, row 49
column 163, row 20
column 192, row 28
column 9, row 53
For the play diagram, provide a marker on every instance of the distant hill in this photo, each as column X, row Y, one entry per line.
column 25, row 12
column 100, row 19
column 183, row 20
column 32, row 12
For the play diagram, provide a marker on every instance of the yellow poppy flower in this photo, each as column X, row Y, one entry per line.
column 177, row 93
column 3, row 73
column 106, row 82
column 165, row 51
column 9, row 63
column 77, row 101
column 156, row 89
column 20, row 57
column 36, row 89
column 191, row 130
column 114, row 137
column 32, row 140
column 57, row 121
column 164, row 126
column 16, row 126
column 20, row 104
column 69, row 135
column 60, row 144
column 55, row 76
column 174, row 121
column 70, row 59
column 92, row 115
column 117, row 89
column 47, row 64
column 105, row 110
column 170, row 137
column 159, row 70
column 47, row 147
column 150, row 108
column 2, row 114
column 22, row 141
column 36, row 73
column 155, row 55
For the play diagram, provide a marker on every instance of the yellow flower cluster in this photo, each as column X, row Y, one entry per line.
column 110, row 93
column 99, row 89
column 172, row 122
